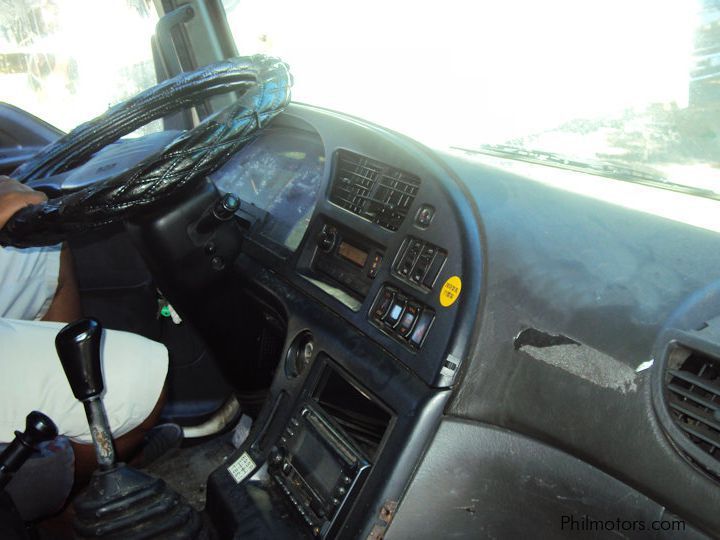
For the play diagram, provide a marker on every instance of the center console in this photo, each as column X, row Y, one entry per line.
column 324, row 455
column 347, row 258
column 350, row 251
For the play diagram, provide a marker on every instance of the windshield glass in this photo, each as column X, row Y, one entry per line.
column 67, row 61
column 632, row 82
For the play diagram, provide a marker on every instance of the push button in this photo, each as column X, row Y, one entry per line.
column 420, row 269
column 414, row 249
column 405, row 268
column 408, row 260
column 408, row 319
column 375, row 265
column 421, row 328
column 434, row 270
column 396, row 312
column 424, row 216
column 429, row 251
column 383, row 303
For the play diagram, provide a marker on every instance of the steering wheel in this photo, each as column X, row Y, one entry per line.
column 264, row 87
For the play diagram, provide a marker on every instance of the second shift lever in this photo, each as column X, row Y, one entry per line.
column 78, row 346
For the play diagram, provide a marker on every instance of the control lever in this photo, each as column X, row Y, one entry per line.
column 78, row 346
column 119, row 502
column 223, row 210
column 38, row 428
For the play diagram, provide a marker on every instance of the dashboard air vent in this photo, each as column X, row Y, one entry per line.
column 372, row 190
column 692, row 383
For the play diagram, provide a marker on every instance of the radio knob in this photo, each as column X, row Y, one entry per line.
column 276, row 456
column 327, row 238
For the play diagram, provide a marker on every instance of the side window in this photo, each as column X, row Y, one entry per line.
column 67, row 61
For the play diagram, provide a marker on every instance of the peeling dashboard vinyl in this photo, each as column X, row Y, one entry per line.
column 547, row 355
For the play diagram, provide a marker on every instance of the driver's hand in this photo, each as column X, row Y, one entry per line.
column 14, row 196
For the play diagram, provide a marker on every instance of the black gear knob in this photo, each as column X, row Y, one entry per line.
column 78, row 346
column 38, row 428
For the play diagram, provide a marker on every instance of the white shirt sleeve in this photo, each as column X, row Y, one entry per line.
column 28, row 281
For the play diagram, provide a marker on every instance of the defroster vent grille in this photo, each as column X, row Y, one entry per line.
column 693, row 399
column 373, row 190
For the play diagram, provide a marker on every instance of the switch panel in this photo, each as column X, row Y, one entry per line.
column 402, row 316
column 419, row 262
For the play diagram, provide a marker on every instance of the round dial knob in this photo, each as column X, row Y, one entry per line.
column 276, row 456
column 226, row 207
column 327, row 239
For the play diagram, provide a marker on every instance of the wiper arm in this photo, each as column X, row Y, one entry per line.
column 611, row 169
column 603, row 168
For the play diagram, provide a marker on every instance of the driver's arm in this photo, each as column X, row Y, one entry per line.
column 65, row 305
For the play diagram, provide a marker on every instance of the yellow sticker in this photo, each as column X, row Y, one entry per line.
column 450, row 291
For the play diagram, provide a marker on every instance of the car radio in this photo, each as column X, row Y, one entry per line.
column 318, row 469
column 348, row 258
column 328, row 448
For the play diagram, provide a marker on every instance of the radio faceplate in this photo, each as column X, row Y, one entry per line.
column 318, row 469
column 348, row 258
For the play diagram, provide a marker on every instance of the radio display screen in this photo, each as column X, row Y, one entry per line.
column 315, row 463
column 353, row 254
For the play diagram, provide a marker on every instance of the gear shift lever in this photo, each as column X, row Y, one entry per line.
column 78, row 346
column 119, row 502
column 38, row 428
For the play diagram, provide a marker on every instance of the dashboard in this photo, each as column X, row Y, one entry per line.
column 366, row 236
column 463, row 336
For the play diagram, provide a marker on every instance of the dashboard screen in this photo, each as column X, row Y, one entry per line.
column 315, row 462
column 351, row 253
column 280, row 173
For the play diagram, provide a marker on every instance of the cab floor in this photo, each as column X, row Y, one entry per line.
column 186, row 469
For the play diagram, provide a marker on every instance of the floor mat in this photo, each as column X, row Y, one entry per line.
column 186, row 469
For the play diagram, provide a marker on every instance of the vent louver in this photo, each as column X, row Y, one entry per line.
column 372, row 190
column 693, row 399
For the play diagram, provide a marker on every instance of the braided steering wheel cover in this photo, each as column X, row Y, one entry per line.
column 265, row 86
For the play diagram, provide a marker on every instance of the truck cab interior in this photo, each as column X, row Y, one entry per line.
column 421, row 329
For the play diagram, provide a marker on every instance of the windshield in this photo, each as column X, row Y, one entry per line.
column 635, row 82
column 67, row 61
